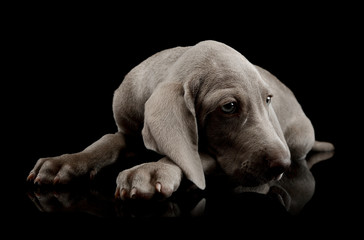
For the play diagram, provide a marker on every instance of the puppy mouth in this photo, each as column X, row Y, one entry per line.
column 252, row 180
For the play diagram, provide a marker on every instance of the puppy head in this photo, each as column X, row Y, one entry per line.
column 227, row 115
column 216, row 101
column 238, row 125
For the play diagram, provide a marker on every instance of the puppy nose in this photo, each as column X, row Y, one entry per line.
column 278, row 164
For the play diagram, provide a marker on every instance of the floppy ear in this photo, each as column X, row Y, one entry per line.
column 170, row 128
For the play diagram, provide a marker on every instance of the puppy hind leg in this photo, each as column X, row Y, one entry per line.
column 319, row 146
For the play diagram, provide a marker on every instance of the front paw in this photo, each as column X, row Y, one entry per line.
column 147, row 180
column 61, row 169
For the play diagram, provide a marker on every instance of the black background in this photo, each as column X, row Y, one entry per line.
column 64, row 63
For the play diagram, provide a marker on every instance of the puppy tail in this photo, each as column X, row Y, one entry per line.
column 323, row 147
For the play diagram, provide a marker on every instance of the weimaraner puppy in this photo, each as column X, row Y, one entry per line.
column 202, row 107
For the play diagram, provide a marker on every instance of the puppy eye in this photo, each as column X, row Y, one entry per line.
column 229, row 108
column 268, row 99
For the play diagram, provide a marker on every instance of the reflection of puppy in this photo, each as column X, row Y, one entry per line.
column 96, row 202
column 297, row 186
column 191, row 104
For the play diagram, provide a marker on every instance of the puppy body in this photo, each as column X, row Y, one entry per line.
column 198, row 106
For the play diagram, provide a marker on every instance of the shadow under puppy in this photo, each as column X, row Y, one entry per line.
column 201, row 107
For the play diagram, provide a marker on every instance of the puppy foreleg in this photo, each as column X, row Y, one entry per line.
column 62, row 169
column 149, row 179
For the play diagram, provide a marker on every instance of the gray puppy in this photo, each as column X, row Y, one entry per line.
column 202, row 107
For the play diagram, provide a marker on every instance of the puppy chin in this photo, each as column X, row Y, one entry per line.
column 247, row 179
column 251, row 180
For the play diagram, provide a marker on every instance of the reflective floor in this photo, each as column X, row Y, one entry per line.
column 309, row 193
column 286, row 197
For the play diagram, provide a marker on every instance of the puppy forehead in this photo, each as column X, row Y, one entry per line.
column 234, row 83
column 223, row 96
